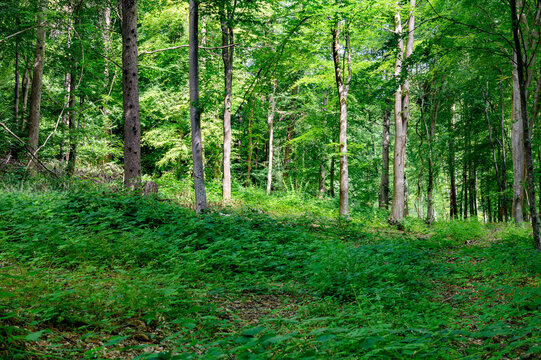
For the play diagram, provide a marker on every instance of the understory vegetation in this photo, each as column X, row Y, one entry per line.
column 95, row 272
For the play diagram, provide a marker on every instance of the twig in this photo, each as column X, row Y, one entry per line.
column 28, row 150
column 183, row 46
column 20, row 32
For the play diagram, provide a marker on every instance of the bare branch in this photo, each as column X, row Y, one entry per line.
column 28, row 150
column 185, row 46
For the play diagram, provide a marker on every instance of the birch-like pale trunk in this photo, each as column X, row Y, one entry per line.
column 195, row 111
column 130, row 89
column 37, row 81
column 227, row 57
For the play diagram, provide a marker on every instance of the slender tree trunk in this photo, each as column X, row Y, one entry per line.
column 71, row 123
column 343, row 89
column 270, row 123
column 452, row 198
column 107, row 36
column 401, row 119
column 250, row 150
column 25, row 90
column 37, row 81
column 384, row 186
column 195, row 112
column 504, row 204
column 67, row 82
column 227, row 57
column 430, row 212
column 331, row 180
column 522, row 80
column 16, row 89
column 130, row 88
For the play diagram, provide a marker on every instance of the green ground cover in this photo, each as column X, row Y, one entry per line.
column 87, row 272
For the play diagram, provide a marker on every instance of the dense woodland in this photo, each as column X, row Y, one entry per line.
column 357, row 138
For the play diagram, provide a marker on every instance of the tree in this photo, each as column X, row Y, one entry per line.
column 37, row 80
column 130, row 89
column 401, row 115
column 342, row 85
column 195, row 111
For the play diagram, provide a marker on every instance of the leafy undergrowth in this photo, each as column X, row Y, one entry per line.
column 94, row 274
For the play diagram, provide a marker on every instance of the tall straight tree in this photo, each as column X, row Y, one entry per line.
column 342, row 86
column 270, row 123
column 37, row 80
column 227, row 13
column 401, row 115
column 522, row 62
column 195, row 111
column 130, row 88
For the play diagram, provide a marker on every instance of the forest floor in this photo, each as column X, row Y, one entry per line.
column 91, row 273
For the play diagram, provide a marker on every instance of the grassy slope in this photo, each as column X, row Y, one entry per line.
column 96, row 274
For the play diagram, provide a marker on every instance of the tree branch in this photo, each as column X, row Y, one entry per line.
column 28, row 150
column 184, row 46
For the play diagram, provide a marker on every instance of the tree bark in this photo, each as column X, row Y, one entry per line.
column 270, row 123
column 430, row 211
column 343, row 89
column 452, row 198
column 130, row 88
column 518, row 149
column 401, row 118
column 250, row 149
column 195, row 112
column 16, row 89
column 37, row 81
column 521, row 67
column 384, row 186
column 227, row 57
column 25, row 90
column 107, row 36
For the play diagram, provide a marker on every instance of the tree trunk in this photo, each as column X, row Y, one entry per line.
column 270, row 123
column 107, row 35
column 343, row 89
column 227, row 57
column 195, row 112
column 25, row 90
column 522, row 80
column 384, row 186
column 130, row 89
column 16, row 89
column 452, row 198
column 71, row 123
column 250, row 149
column 37, row 81
column 504, row 204
column 331, row 180
column 518, row 150
column 401, row 119
column 430, row 211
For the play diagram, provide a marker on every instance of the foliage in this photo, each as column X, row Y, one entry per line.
column 118, row 273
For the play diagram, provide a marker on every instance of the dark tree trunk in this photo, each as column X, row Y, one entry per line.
column 130, row 88
column 195, row 111
column 384, row 186
column 37, row 81
column 25, row 90
column 453, row 200
column 16, row 89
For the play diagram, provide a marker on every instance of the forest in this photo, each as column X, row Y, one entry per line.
column 270, row 179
